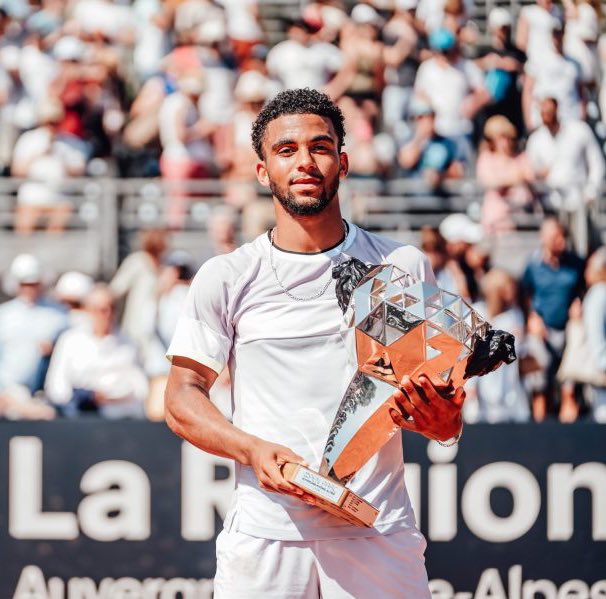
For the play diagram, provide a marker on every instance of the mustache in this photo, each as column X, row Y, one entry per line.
column 294, row 178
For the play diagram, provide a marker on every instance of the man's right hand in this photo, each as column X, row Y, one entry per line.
column 266, row 460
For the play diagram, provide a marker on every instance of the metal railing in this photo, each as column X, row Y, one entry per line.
column 107, row 214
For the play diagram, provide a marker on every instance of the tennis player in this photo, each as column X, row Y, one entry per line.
column 268, row 311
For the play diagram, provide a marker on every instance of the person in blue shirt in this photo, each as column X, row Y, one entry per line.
column 552, row 280
column 429, row 155
column 29, row 327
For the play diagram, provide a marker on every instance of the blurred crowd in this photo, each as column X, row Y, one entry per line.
column 169, row 89
column 82, row 347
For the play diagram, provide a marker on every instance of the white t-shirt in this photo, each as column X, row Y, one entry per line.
column 289, row 368
column 558, row 77
column 580, row 41
column 241, row 21
column 296, row 65
column 445, row 86
column 541, row 23
column 107, row 364
column 572, row 159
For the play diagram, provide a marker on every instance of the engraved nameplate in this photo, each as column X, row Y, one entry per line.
column 319, row 485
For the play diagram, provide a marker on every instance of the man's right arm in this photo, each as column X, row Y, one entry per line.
column 191, row 415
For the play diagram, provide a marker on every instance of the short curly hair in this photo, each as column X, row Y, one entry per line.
column 297, row 101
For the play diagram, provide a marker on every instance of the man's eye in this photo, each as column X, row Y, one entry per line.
column 286, row 151
column 321, row 149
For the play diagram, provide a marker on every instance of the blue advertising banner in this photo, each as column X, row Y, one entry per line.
column 117, row 510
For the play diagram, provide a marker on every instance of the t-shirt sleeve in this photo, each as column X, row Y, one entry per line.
column 410, row 259
column 204, row 331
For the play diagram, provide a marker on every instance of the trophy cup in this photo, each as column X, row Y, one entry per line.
column 401, row 327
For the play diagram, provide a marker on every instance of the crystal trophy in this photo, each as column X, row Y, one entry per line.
column 400, row 326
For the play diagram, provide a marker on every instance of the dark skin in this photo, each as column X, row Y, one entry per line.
column 302, row 160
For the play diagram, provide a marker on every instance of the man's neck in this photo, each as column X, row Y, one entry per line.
column 309, row 234
column 552, row 259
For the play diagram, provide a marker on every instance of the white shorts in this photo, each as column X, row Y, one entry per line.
column 386, row 567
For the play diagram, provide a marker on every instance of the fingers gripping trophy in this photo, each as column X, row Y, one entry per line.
column 394, row 326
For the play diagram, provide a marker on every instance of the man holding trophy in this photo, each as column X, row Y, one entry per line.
column 270, row 311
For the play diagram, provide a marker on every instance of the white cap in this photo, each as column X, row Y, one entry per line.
column 499, row 17
column 363, row 14
column 459, row 227
column 68, row 48
column 26, row 269
column 252, row 86
column 73, row 286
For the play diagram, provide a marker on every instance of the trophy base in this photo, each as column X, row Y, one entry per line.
column 331, row 496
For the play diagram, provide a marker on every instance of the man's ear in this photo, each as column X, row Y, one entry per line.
column 262, row 175
column 343, row 165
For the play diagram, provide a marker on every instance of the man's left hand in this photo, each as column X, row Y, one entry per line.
column 435, row 411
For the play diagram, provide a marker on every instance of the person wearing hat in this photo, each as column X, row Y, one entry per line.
column 29, row 326
column 428, row 154
column 454, row 86
column 502, row 62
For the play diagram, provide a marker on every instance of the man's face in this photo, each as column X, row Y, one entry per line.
column 549, row 112
column 553, row 238
column 302, row 165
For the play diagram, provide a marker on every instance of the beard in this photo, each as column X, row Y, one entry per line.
column 310, row 207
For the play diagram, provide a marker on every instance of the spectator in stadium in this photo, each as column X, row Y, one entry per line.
column 363, row 55
column 236, row 155
column 503, row 64
column 581, row 38
column 137, row 283
column 244, row 29
column 428, row 155
column 29, row 326
column 95, row 369
column 448, row 273
column 222, row 230
column 462, row 237
column 187, row 150
column 17, row 108
column 555, row 75
column 499, row 396
column 454, row 87
column 370, row 154
column 504, row 174
column 46, row 158
column 406, row 46
column 301, row 61
column 594, row 317
column 71, row 289
column 552, row 280
column 534, row 30
column 566, row 156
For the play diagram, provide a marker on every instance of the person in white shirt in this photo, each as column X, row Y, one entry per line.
column 95, row 368
column 566, row 155
column 499, row 396
column 301, row 61
column 454, row 87
column 555, row 75
column 535, row 24
column 268, row 310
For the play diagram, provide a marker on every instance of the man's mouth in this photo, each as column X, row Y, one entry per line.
column 306, row 181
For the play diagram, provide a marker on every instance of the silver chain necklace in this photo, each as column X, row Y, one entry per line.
column 318, row 293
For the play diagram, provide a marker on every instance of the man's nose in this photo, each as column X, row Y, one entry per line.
column 305, row 160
